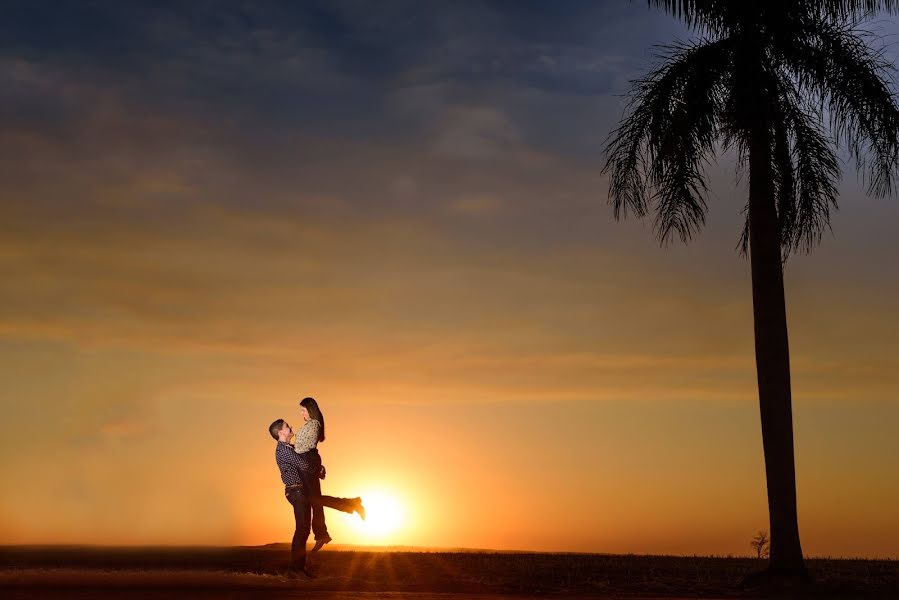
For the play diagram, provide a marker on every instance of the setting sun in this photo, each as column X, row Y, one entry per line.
column 385, row 515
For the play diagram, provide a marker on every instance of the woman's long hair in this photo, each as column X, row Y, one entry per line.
column 315, row 413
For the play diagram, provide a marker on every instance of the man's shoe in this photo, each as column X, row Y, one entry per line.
column 299, row 574
column 359, row 508
column 321, row 542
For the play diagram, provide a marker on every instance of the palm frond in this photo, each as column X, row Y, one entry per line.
column 805, row 168
column 843, row 8
column 708, row 14
column 835, row 63
column 816, row 171
column 852, row 10
column 784, row 171
column 660, row 147
column 719, row 16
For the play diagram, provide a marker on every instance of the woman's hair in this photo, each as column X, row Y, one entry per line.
column 275, row 427
column 315, row 413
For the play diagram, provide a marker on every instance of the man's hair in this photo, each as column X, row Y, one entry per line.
column 275, row 427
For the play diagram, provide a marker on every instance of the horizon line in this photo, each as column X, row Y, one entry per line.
column 425, row 549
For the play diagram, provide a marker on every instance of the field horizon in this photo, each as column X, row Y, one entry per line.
column 347, row 547
column 242, row 571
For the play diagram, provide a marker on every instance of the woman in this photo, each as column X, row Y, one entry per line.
column 306, row 443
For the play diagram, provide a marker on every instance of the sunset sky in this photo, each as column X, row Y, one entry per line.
column 210, row 210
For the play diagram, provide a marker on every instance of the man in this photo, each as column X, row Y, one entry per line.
column 295, row 468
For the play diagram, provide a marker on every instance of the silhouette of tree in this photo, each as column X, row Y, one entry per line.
column 759, row 543
column 763, row 78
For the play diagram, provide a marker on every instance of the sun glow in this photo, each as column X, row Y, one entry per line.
column 385, row 515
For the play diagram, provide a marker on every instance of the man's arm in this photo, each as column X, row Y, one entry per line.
column 290, row 473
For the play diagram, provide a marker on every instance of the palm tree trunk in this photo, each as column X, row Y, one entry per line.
column 772, row 359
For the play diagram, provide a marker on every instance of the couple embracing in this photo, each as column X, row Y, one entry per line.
column 302, row 471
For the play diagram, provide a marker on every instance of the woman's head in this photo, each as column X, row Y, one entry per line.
column 309, row 408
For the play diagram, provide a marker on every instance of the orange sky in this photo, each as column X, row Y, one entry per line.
column 488, row 346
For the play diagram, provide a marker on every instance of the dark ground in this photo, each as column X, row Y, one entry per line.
column 244, row 572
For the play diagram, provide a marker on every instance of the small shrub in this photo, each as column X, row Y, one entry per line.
column 761, row 544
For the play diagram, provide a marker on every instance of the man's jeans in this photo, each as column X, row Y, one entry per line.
column 310, row 510
column 301, row 513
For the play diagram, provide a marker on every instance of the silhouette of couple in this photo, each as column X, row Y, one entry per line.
column 302, row 471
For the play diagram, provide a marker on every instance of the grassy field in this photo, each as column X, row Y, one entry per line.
column 410, row 572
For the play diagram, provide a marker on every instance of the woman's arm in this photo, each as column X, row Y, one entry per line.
column 307, row 437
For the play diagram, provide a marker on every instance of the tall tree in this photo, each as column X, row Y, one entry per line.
column 783, row 83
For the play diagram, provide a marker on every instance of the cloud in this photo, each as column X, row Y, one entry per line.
column 269, row 82
column 402, row 309
column 476, row 134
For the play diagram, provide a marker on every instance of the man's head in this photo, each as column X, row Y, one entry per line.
column 280, row 430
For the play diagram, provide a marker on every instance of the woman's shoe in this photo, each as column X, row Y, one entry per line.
column 319, row 542
column 359, row 508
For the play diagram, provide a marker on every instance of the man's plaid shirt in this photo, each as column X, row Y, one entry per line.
column 291, row 464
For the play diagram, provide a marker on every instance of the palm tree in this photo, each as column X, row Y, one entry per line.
column 764, row 78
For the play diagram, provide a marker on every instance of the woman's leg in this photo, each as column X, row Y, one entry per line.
column 319, row 528
column 347, row 505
